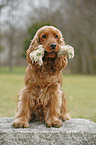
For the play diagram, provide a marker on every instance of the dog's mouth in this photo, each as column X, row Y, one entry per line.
column 52, row 54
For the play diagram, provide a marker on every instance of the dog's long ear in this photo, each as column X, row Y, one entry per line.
column 33, row 46
column 62, row 42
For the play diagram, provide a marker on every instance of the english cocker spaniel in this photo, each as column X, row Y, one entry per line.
column 42, row 98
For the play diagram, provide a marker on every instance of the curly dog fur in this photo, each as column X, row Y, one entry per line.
column 42, row 99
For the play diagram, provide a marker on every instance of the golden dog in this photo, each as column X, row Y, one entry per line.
column 42, row 98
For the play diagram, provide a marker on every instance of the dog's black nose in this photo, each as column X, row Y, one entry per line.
column 53, row 45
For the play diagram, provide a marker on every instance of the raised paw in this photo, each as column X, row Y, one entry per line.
column 20, row 124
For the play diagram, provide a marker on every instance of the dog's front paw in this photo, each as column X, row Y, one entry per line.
column 20, row 124
column 56, row 124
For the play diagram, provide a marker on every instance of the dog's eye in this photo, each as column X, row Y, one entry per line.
column 56, row 36
column 44, row 36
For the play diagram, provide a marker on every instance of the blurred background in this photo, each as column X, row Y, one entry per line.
column 20, row 19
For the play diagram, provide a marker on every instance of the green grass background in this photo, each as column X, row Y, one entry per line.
column 80, row 91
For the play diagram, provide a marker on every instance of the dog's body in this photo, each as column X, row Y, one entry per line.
column 42, row 98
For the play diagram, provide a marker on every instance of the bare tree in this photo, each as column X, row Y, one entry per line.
column 3, row 3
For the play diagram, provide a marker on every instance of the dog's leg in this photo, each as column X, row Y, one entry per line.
column 53, row 112
column 22, row 117
column 64, row 115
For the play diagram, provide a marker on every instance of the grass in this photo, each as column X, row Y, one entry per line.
column 80, row 92
column 10, row 84
column 81, row 95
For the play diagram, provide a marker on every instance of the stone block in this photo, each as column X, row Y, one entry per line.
column 73, row 132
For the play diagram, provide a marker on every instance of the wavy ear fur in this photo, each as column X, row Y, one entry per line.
column 62, row 42
column 33, row 46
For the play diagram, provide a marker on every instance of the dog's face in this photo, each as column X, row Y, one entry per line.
column 50, row 37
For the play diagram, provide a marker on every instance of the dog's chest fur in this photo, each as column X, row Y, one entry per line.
column 44, row 79
column 47, row 69
column 41, row 100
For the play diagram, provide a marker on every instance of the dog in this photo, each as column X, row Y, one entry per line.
column 42, row 98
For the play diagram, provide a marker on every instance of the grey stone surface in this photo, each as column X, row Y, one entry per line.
column 73, row 132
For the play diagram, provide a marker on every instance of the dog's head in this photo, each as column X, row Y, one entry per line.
column 51, row 39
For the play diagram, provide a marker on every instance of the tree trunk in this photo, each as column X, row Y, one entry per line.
column 11, row 48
